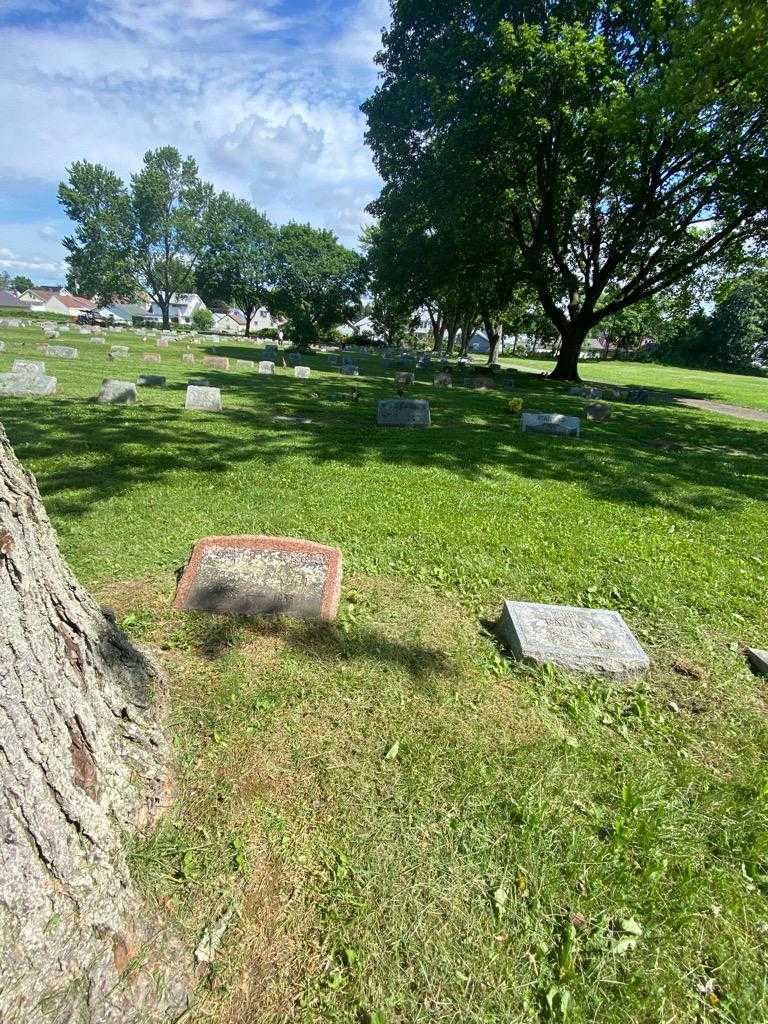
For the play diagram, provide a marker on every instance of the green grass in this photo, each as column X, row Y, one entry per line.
column 411, row 827
column 731, row 388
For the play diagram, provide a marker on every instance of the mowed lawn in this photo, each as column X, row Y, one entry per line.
column 730, row 388
column 407, row 826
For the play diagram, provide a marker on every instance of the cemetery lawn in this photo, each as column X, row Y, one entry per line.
column 730, row 388
column 410, row 827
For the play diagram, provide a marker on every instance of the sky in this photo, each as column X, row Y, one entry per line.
column 265, row 95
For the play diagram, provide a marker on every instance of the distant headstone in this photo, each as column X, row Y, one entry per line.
column 151, row 357
column 149, row 380
column 245, row 364
column 2, row 346
column 199, row 383
column 576, row 639
column 402, row 377
column 586, row 392
column 597, row 413
column 403, row 412
column 758, row 660
column 443, row 380
column 188, row 357
column 636, row 396
column 118, row 352
column 350, row 371
column 483, row 383
column 254, row 576
column 302, row 372
column 99, row 339
column 216, row 362
column 551, row 423
column 270, row 354
column 333, row 361
column 61, row 351
column 266, row 366
column 162, row 343
column 206, row 398
column 117, row 392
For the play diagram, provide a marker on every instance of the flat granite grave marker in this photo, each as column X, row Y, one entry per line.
column 402, row 377
column 162, row 343
column 206, row 398
column 149, row 380
column 266, row 367
column 117, row 392
column 593, row 640
column 302, row 372
column 246, row 364
column 118, row 352
column 403, row 412
column 254, row 576
column 188, row 357
column 151, row 357
column 758, row 660
column 551, row 423
column 483, row 383
column 443, row 380
column 216, row 362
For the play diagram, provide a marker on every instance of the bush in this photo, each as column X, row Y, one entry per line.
column 270, row 333
column 202, row 319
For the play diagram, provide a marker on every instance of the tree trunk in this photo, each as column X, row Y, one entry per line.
column 81, row 761
column 571, row 340
column 494, row 341
column 165, row 306
column 248, row 317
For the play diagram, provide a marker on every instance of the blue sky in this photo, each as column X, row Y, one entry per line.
column 263, row 94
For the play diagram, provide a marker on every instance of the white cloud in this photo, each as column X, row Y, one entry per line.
column 10, row 260
column 266, row 103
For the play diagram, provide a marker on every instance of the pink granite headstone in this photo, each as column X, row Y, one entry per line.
column 254, row 576
column 216, row 362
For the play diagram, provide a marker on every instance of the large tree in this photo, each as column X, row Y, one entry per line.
column 240, row 265
column 614, row 147
column 146, row 237
column 319, row 282
column 82, row 763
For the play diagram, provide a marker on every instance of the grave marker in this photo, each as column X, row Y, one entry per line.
column 216, row 362
column 118, row 352
column 149, row 380
column 350, row 371
column 61, row 351
column 758, row 660
column 597, row 413
column 246, row 364
column 205, row 398
column 402, row 377
column 151, row 357
column 256, row 576
column 551, row 423
column 443, row 380
column 302, row 372
column 22, row 384
column 26, row 366
column 266, row 367
column 591, row 640
column 188, row 357
column 403, row 412
column 117, row 392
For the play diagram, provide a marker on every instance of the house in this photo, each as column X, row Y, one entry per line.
column 228, row 323
column 10, row 301
column 181, row 308
column 479, row 343
column 42, row 293
column 125, row 312
column 71, row 305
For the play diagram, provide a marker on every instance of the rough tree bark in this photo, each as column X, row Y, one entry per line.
column 82, row 760
column 572, row 338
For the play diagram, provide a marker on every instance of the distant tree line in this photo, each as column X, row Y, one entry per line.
column 168, row 232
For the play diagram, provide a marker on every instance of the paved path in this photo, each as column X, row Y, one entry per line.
column 739, row 411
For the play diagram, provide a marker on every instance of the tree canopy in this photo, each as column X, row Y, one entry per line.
column 319, row 281
column 149, row 236
column 597, row 152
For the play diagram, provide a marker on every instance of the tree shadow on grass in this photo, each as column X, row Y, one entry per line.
column 658, row 456
column 214, row 636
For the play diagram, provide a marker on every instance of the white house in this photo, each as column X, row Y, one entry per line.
column 228, row 323
column 181, row 308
